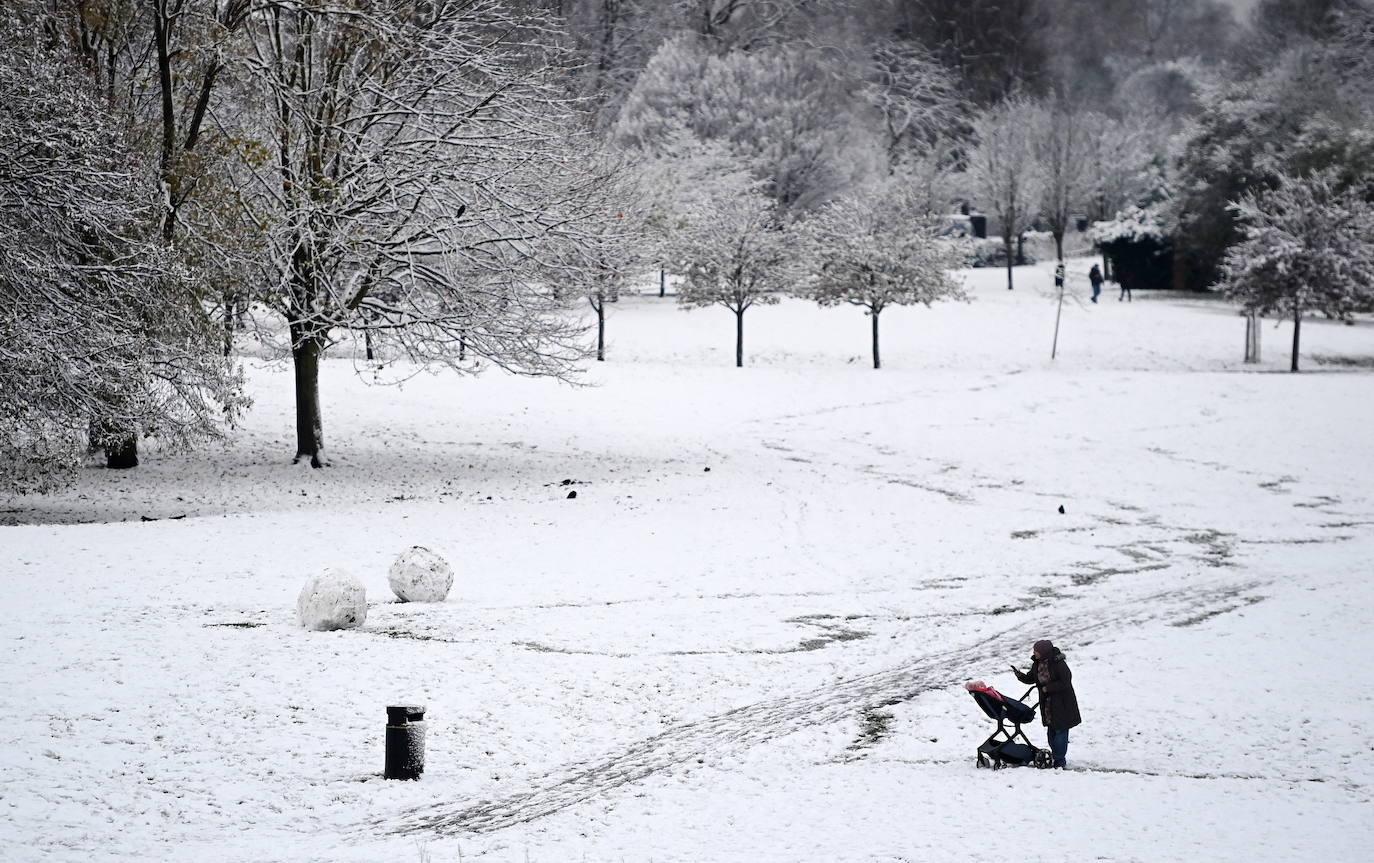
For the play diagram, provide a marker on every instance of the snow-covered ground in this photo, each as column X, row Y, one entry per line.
column 744, row 639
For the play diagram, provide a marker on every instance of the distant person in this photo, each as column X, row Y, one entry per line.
column 1059, row 275
column 1058, row 703
column 1125, row 290
column 1095, row 276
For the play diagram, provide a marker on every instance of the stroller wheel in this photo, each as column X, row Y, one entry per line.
column 981, row 762
column 1044, row 759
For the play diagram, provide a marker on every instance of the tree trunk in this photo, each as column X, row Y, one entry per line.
column 1297, row 325
column 601, row 330
column 305, row 353
column 367, row 343
column 161, row 40
column 1020, row 250
column 1059, row 244
column 228, row 324
column 1252, row 337
column 1058, row 313
column 877, row 363
column 462, row 346
column 662, row 282
column 1006, row 242
column 739, row 339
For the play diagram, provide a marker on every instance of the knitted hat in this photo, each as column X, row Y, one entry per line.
column 1044, row 649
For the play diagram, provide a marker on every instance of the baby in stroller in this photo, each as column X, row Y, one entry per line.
column 1006, row 748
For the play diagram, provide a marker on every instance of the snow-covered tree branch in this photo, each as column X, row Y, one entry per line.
column 425, row 181
column 100, row 330
column 1002, row 172
column 1308, row 246
column 736, row 253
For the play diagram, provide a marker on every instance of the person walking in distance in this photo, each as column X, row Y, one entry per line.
column 1095, row 276
column 1125, row 290
column 1050, row 674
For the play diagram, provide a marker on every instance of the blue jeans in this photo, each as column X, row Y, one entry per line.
column 1059, row 744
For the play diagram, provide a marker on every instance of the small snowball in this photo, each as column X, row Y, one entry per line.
column 332, row 600
column 420, row 575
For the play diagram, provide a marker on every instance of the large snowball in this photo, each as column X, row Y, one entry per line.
column 332, row 600
column 420, row 575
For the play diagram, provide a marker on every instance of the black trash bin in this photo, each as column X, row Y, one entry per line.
column 405, row 741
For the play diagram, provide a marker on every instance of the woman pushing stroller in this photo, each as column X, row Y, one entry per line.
column 1058, row 705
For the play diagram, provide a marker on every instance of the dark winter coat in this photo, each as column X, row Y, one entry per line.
column 1095, row 275
column 1058, row 703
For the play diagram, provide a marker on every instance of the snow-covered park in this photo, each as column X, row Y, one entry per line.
column 745, row 637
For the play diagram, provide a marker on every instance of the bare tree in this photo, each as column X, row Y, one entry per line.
column 742, row 24
column 617, row 248
column 1123, row 163
column 417, row 174
column 916, row 100
column 735, row 254
column 1060, row 146
column 875, row 249
column 787, row 112
column 995, row 47
column 1001, row 169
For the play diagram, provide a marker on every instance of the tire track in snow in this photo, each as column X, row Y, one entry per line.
column 764, row 721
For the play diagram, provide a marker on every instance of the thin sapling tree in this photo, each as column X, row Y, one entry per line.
column 1001, row 169
column 735, row 253
column 878, row 250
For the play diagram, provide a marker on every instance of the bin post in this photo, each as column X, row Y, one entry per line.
column 405, row 741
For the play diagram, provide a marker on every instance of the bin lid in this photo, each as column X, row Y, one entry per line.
column 400, row 714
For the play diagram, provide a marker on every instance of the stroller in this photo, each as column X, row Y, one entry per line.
column 1007, row 748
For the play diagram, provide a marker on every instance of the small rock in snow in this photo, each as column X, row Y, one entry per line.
column 332, row 600
column 420, row 575
column 1061, row 509
column 571, row 495
column 708, row 470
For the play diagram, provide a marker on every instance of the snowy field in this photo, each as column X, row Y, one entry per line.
column 745, row 639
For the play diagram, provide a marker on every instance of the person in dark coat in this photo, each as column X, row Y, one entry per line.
column 1095, row 276
column 1058, row 703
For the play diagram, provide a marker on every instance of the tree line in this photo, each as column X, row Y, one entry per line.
column 440, row 179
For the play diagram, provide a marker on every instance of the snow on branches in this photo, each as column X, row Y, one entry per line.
column 735, row 252
column 784, row 112
column 1002, row 171
column 874, row 249
column 100, row 330
column 1307, row 246
column 1133, row 224
column 427, row 184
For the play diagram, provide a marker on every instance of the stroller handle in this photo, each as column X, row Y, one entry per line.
column 1027, row 695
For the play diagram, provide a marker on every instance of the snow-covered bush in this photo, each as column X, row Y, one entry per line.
column 332, row 600
column 420, row 575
